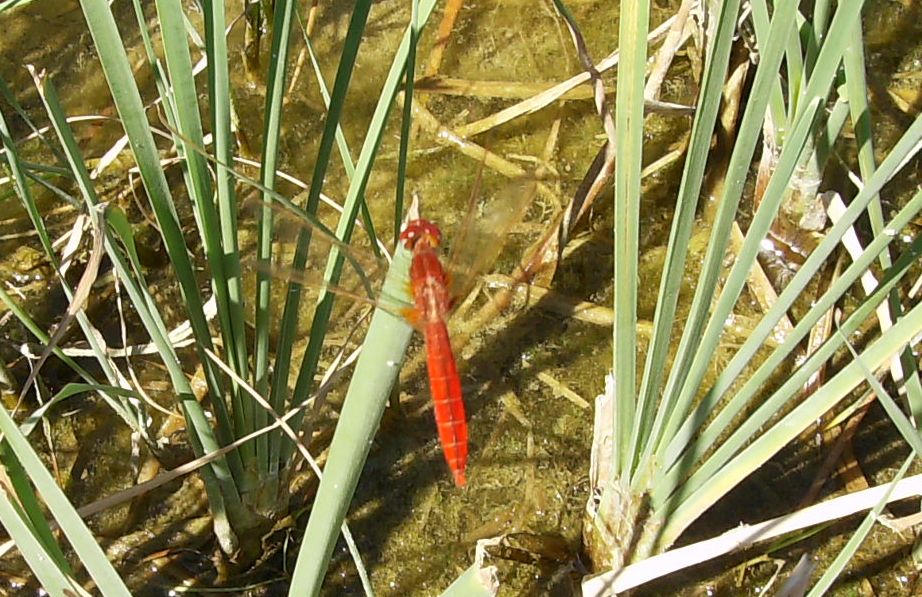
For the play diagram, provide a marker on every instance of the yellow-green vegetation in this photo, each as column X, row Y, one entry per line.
column 747, row 158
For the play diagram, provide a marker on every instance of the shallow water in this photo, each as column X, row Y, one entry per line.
column 529, row 444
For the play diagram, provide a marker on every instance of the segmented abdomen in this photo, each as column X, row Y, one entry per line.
column 447, row 399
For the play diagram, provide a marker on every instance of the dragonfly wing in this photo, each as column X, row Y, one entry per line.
column 484, row 233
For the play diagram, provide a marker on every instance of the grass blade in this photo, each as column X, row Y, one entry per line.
column 682, row 381
column 844, row 557
column 792, row 424
column 680, row 233
column 272, row 119
column 374, row 377
column 354, row 198
column 629, row 119
column 907, row 146
column 80, row 537
column 279, row 451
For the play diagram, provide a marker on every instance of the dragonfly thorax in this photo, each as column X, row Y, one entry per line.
column 430, row 285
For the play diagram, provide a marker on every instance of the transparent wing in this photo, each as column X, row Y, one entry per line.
column 483, row 232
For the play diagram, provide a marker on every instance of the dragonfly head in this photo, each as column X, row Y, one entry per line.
column 421, row 231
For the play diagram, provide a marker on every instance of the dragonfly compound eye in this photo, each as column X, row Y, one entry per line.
column 421, row 231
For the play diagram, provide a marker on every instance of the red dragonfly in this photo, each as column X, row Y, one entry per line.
column 433, row 303
column 435, row 292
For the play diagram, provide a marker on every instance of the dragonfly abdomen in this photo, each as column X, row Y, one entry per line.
column 447, row 399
